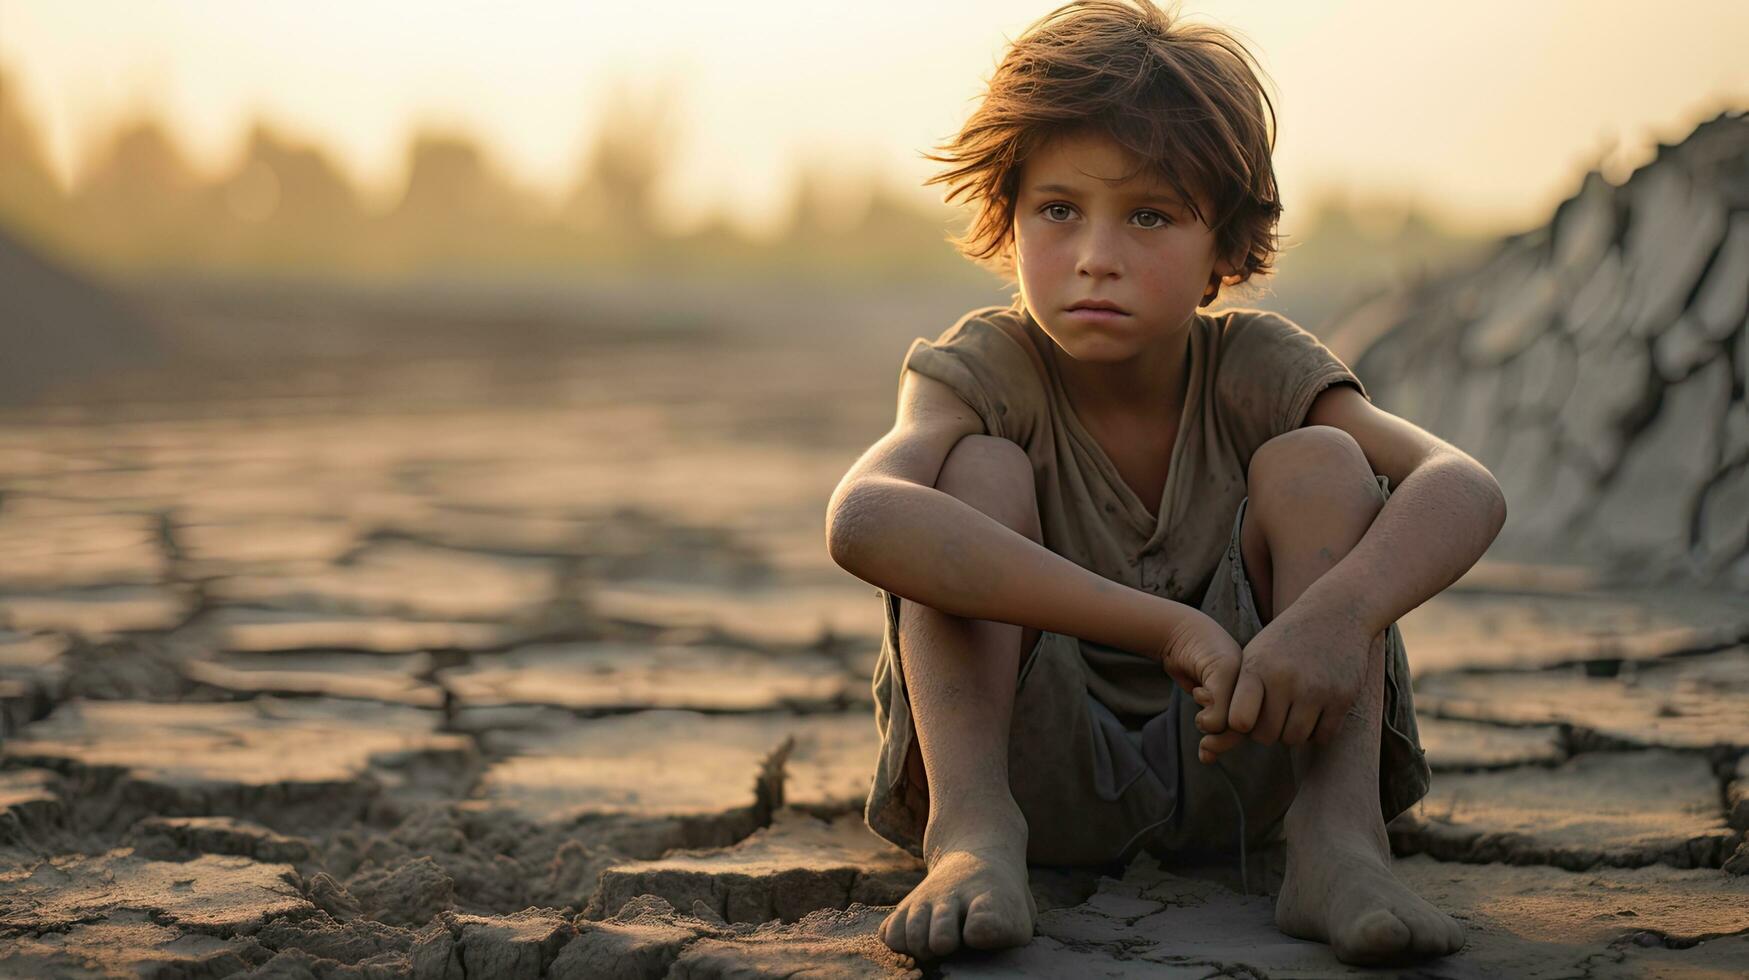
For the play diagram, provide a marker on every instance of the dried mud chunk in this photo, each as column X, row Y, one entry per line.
column 830, row 767
column 516, row 947
column 1695, row 702
column 1721, row 958
column 281, row 762
column 572, row 873
column 641, row 940
column 367, row 677
column 273, row 630
column 1738, row 863
column 1478, row 630
column 332, row 897
column 651, row 765
column 30, row 804
column 128, row 948
column 212, row 894
column 55, row 546
column 400, row 578
column 790, row 615
column 498, row 863
column 176, row 838
column 1600, row 906
column 1454, row 746
column 20, row 701
column 231, row 541
column 678, row 768
column 436, row 956
column 828, row 943
column 1737, row 795
column 590, row 676
column 797, row 865
column 35, row 662
column 133, row 668
column 410, row 894
column 348, row 943
column 295, row 964
column 97, row 611
column 1623, row 809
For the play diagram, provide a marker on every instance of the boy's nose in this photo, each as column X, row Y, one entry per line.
column 1099, row 257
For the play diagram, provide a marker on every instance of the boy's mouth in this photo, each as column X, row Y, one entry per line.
column 1098, row 306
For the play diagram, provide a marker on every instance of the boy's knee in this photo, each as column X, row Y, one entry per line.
column 1318, row 465
column 995, row 476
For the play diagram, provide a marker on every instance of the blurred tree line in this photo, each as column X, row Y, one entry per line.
column 285, row 209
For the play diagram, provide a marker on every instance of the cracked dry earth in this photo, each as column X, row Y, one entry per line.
column 566, row 687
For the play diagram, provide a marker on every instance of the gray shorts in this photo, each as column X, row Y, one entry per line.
column 1094, row 791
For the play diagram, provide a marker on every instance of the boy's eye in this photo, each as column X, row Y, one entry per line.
column 1151, row 219
column 1058, row 212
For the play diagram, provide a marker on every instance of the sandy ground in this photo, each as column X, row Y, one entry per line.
column 540, row 669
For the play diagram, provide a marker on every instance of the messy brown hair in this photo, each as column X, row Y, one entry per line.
column 1184, row 98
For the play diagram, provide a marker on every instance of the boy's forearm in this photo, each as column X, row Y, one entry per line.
column 1434, row 527
column 927, row 546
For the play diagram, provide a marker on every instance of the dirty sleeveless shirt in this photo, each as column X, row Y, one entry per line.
column 1252, row 375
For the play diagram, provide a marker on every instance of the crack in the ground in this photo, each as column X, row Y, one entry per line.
column 1654, row 937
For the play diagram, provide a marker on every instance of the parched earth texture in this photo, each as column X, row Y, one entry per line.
column 559, row 682
column 569, row 688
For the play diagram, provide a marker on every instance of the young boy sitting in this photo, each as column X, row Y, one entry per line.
column 1102, row 504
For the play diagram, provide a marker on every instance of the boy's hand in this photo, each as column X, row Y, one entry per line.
column 1204, row 659
column 1299, row 676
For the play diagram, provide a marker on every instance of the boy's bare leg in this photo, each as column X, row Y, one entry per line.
column 1318, row 497
column 960, row 676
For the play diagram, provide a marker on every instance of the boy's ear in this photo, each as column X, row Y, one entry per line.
column 1228, row 265
column 1224, row 267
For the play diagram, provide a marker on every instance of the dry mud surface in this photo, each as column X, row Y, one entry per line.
column 565, row 686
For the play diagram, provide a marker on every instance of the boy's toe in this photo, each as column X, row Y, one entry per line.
column 944, row 927
column 893, row 930
column 991, row 924
column 1376, row 937
column 917, row 929
column 1455, row 936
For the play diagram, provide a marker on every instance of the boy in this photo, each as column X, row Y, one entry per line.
column 1101, row 504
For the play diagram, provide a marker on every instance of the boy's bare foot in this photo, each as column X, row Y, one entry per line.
column 976, row 893
column 1339, row 890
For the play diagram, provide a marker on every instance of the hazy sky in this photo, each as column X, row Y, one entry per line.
column 1485, row 112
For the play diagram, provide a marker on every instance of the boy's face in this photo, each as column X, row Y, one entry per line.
column 1081, row 235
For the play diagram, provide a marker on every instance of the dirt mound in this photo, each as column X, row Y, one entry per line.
column 1597, row 366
